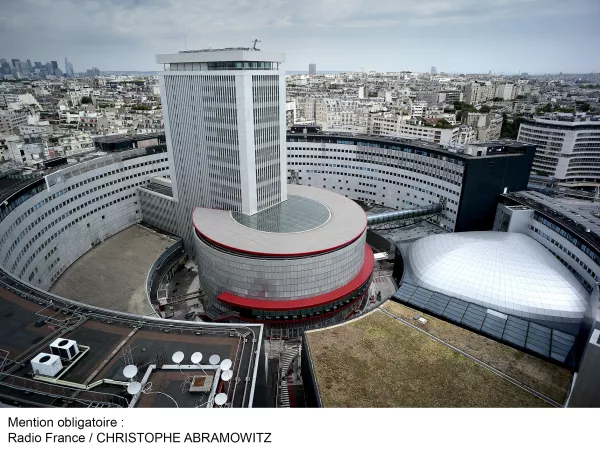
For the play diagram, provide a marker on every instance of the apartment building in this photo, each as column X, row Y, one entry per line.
column 10, row 121
column 479, row 92
column 568, row 147
column 486, row 126
column 402, row 126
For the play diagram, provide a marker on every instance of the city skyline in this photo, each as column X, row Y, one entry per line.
column 507, row 37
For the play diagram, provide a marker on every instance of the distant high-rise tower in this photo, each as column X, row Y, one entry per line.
column 433, row 70
column 69, row 69
column 224, row 115
column 312, row 69
column 54, row 65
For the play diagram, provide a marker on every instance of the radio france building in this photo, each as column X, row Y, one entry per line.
column 288, row 256
column 405, row 174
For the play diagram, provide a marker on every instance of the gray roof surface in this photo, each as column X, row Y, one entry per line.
column 346, row 223
column 580, row 211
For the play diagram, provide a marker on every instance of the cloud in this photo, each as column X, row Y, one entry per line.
column 127, row 33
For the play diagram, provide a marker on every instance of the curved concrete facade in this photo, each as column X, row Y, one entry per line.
column 72, row 210
column 279, row 279
column 288, row 280
column 391, row 177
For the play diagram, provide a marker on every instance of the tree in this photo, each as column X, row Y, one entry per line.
column 498, row 99
column 510, row 129
column 86, row 100
column 583, row 106
column 485, row 109
column 443, row 123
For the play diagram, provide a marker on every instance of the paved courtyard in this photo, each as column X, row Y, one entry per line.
column 113, row 274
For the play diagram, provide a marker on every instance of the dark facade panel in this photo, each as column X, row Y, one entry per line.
column 484, row 181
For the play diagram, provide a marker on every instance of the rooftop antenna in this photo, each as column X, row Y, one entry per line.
column 221, row 399
column 177, row 357
column 227, row 375
column 134, row 388
column 226, row 364
column 196, row 358
column 256, row 41
column 130, row 372
column 185, row 36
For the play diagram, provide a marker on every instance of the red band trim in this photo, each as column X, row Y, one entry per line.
column 312, row 302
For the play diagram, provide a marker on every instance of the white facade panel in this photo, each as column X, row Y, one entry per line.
column 46, row 233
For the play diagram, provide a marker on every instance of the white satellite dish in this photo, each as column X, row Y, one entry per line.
column 214, row 360
column 226, row 364
column 134, row 388
column 227, row 375
column 177, row 357
column 130, row 371
column 196, row 357
column 221, row 398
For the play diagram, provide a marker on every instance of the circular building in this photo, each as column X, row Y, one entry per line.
column 301, row 263
column 507, row 272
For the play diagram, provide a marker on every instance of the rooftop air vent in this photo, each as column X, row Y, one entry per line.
column 66, row 349
column 46, row 364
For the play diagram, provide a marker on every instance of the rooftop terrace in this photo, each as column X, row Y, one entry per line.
column 580, row 216
column 110, row 341
column 380, row 360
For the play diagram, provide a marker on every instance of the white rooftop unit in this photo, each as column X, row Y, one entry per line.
column 64, row 348
column 380, row 256
column 46, row 364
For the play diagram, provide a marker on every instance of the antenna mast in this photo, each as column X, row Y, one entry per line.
column 255, row 41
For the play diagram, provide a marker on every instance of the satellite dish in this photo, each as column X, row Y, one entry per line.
column 226, row 364
column 130, row 371
column 227, row 375
column 220, row 399
column 177, row 357
column 134, row 388
column 214, row 360
column 196, row 357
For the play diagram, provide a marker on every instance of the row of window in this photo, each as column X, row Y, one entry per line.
column 13, row 227
column 381, row 145
column 567, row 235
column 582, row 280
column 59, row 232
column 55, row 209
column 54, row 263
column 8, row 233
column 397, row 183
column 6, row 210
column 405, row 159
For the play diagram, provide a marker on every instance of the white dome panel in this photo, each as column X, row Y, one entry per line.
column 507, row 272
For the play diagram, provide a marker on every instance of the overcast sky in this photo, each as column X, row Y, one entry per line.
column 473, row 36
